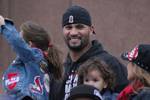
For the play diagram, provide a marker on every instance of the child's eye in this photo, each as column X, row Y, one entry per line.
column 86, row 80
column 95, row 80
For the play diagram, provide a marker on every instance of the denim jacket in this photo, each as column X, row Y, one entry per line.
column 23, row 77
column 109, row 95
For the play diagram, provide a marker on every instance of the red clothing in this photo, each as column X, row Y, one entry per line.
column 130, row 90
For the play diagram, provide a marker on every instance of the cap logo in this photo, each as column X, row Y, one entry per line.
column 70, row 19
column 133, row 54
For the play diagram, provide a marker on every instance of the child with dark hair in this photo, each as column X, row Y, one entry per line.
column 97, row 73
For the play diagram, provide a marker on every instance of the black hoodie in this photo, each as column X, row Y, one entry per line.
column 71, row 77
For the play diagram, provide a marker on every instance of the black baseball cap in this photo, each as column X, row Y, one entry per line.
column 140, row 55
column 85, row 91
column 76, row 14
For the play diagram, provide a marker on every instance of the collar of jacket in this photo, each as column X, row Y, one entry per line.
column 93, row 51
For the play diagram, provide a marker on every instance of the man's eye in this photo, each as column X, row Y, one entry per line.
column 68, row 27
column 79, row 26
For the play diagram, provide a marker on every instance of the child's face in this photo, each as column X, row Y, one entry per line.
column 94, row 78
column 130, row 68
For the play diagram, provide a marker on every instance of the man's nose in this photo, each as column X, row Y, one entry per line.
column 74, row 31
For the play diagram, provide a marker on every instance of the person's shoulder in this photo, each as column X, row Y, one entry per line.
column 102, row 53
column 145, row 91
column 144, row 94
column 110, row 95
column 109, row 58
column 37, row 53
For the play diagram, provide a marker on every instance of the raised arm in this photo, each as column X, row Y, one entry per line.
column 9, row 32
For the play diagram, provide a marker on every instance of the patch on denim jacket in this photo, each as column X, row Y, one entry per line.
column 12, row 80
column 37, row 87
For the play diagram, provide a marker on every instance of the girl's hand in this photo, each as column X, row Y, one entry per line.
column 2, row 21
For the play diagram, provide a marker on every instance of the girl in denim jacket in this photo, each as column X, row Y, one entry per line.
column 37, row 63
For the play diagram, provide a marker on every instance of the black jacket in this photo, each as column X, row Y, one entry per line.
column 97, row 51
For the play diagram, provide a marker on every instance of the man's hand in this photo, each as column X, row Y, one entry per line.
column 2, row 21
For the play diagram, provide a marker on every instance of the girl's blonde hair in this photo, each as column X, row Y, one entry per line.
column 141, row 75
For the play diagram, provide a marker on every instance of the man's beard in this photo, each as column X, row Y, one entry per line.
column 80, row 47
column 76, row 48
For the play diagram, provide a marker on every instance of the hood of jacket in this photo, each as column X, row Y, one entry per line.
column 95, row 49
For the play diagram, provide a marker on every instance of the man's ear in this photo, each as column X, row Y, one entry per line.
column 92, row 30
column 92, row 34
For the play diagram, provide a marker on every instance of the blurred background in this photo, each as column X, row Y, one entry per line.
column 119, row 24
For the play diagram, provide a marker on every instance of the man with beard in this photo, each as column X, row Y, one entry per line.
column 77, row 29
